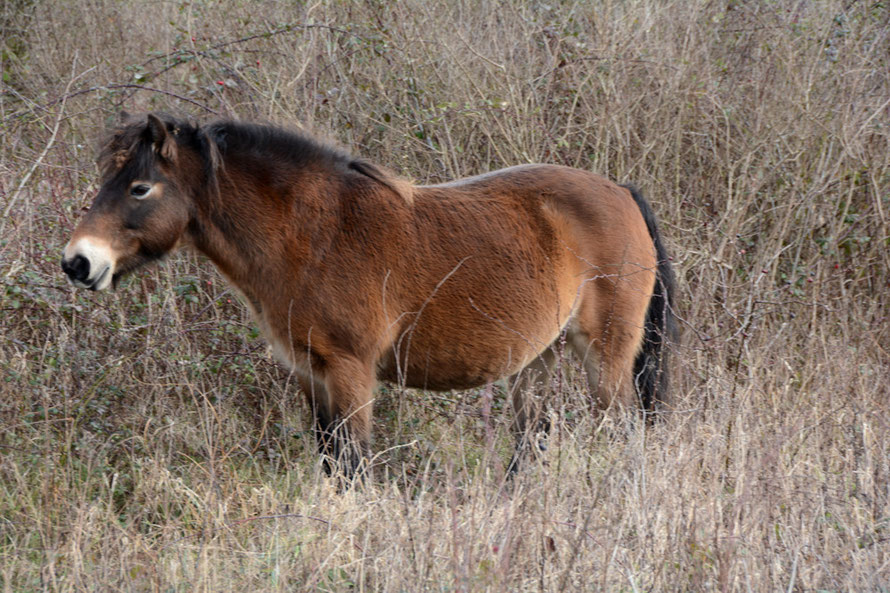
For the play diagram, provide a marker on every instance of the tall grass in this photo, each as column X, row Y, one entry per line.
column 149, row 443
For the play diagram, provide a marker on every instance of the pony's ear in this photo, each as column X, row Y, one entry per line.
column 123, row 116
column 157, row 130
column 162, row 141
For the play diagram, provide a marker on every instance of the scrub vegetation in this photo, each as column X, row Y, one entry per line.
column 149, row 442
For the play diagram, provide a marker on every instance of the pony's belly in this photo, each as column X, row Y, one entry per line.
column 442, row 373
column 460, row 342
column 461, row 359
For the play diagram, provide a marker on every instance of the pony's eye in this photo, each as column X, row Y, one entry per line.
column 140, row 190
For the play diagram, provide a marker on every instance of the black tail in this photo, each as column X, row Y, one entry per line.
column 651, row 365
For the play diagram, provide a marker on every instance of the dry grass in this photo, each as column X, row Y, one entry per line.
column 149, row 443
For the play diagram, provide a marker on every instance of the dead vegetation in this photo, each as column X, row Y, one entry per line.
column 149, row 443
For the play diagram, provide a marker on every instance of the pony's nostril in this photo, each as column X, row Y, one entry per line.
column 77, row 268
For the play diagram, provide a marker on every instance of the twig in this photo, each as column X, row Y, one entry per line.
column 142, row 88
column 52, row 140
column 480, row 56
column 285, row 29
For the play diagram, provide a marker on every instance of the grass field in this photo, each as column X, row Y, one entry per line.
column 149, row 442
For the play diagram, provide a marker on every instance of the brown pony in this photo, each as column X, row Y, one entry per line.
column 357, row 276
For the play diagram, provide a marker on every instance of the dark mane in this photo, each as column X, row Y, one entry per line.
column 214, row 140
column 293, row 146
column 296, row 148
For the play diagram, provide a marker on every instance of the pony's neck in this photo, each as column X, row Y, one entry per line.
column 261, row 220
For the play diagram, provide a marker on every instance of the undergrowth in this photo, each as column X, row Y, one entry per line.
column 150, row 443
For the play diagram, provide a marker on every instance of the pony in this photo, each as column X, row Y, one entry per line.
column 355, row 275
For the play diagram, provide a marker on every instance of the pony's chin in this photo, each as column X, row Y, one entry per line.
column 132, row 265
column 120, row 274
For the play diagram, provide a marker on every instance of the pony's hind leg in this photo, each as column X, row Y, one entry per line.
column 529, row 413
column 608, row 359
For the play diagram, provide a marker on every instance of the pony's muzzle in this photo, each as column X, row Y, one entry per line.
column 88, row 264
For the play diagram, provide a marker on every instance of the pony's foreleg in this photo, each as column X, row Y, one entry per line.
column 349, row 384
column 322, row 426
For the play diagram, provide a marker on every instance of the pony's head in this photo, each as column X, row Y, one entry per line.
column 152, row 168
